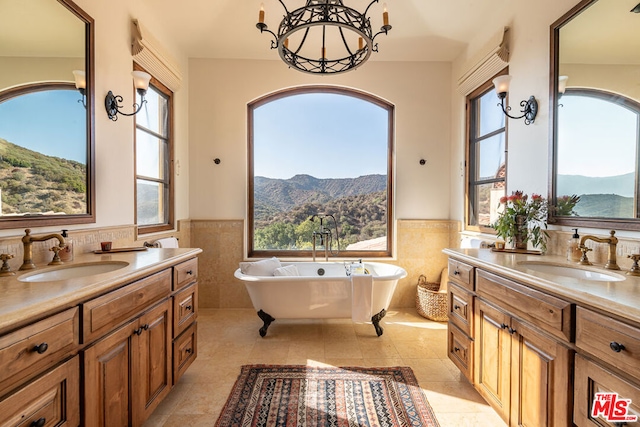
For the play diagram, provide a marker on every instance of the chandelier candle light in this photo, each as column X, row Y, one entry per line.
column 324, row 21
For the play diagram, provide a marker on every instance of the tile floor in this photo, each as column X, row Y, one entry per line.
column 228, row 338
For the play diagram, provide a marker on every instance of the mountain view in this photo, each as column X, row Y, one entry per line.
column 31, row 182
column 610, row 197
column 284, row 210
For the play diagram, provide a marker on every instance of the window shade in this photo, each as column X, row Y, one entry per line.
column 488, row 62
column 148, row 52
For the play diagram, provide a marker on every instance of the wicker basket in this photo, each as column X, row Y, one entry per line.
column 429, row 302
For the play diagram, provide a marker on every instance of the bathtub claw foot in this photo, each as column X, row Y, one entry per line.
column 376, row 318
column 267, row 319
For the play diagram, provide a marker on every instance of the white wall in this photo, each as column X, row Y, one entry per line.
column 114, row 140
column 221, row 90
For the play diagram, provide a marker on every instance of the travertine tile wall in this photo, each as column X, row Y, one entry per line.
column 420, row 244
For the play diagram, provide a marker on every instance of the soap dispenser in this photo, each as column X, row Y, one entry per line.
column 573, row 247
column 66, row 254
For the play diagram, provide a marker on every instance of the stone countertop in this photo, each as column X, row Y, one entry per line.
column 621, row 298
column 24, row 302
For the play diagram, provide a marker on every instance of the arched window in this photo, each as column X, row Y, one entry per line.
column 597, row 155
column 320, row 169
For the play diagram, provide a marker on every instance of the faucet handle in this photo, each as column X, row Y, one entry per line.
column 5, row 270
column 584, row 260
column 56, row 256
column 635, row 268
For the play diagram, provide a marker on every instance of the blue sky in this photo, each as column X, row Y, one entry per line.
column 50, row 122
column 320, row 134
column 597, row 137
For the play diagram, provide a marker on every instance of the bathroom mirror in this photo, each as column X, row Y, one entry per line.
column 595, row 111
column 46, row 123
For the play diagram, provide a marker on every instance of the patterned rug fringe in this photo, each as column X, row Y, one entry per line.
column 310, row 396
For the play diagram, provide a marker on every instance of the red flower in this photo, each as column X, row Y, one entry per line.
column 503, row 199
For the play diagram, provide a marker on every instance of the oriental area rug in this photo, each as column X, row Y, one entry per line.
column 307, row 396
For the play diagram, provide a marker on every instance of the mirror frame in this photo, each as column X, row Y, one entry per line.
column 90, row 215
column 590, row 222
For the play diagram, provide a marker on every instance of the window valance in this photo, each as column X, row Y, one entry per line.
column 489, row 61
column 150, row 54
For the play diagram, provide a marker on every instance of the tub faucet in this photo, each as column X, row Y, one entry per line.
column 27, row 241
column 612, row 241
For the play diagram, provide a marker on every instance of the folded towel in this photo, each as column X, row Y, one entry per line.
column 169, row 242
column 288, row 270
column 361, row 297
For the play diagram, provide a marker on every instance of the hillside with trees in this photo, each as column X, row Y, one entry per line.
column 285, row 210
column 31, row 182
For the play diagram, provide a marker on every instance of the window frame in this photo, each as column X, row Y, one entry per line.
column 470, row 157
column 597, row 222
column 169, row 180
column 254, row 253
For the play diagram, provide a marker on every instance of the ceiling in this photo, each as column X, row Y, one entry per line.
column 423, row 30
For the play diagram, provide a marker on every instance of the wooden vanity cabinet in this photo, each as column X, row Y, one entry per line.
column 130, row 366
column 460, row 303
column 521, row 372
column 512, row 343
column 609, row 361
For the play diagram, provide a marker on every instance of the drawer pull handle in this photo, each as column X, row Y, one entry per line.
column 39, row 422
column 188, row 351
column 41, row 348
column 504, row 326
column 141, row 329
column 512, row 331
column 456, row 349
column 456, row 273
column 189, row 272
column 456, row 307
column 188, row 307
column 617, row 347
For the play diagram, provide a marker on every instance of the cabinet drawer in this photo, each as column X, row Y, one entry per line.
column 185, row 308
column 601, row 336
column 461, row 273
column 36, row 347
column 460, row 349
column 105, row 313
column 545, row 311
column 185, row 351
column 185, row 273
column 591, row 378
column 461, row 308
column 53, row 399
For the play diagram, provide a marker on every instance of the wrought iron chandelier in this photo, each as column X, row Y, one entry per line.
column 332, row 24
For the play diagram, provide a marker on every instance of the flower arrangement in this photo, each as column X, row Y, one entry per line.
column 523, row 219
column 565, row 204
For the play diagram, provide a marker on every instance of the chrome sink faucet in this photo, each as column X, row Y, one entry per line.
column 27, row 241
column 612, row 241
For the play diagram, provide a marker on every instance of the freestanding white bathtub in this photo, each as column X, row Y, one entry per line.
column 322, row 290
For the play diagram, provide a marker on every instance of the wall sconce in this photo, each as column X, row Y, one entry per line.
column 112, row 102
column 81, row 84
column 562, row 85
column 529, row 107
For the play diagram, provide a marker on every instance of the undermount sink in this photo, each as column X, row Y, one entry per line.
column 72, row 271
column 573, row 272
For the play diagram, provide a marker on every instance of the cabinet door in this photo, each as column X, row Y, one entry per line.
column 151, row 365
column 492, row 357
column 541, row 394
column 106, row 379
